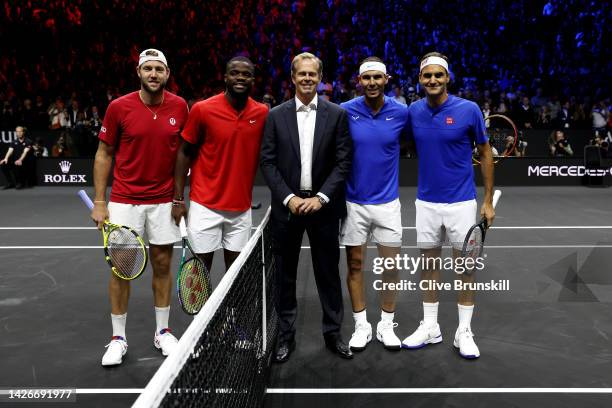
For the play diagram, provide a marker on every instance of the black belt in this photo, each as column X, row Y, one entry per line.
column 305, row 194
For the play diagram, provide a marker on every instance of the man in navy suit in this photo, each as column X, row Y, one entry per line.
column 305, row 158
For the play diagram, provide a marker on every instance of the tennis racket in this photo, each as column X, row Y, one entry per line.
column 473, row 244
column 124, row 249
column 193, row 280
column 503, row 136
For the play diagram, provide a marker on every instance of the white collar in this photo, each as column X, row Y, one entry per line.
column 299, row 104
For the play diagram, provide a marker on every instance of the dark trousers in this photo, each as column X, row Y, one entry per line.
column 322, row 229
column 20, row 175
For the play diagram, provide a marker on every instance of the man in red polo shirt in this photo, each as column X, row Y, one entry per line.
column 141, row 130
column 221, row 142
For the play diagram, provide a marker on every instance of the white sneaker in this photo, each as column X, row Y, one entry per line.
column 165, row 341
column 464, row 341
column 386, row 335
column 361, row 337
column 423, row 336
column 115, row 350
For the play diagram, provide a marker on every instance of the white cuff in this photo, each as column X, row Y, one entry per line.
column 286, row 200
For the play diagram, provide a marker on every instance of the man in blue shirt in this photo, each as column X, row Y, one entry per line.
column 376, row 124
column 444, row 128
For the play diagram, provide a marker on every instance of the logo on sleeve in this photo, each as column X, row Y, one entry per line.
column 355, row 117
column 252, row 121
column 172, row 121
column 102, row 129
column 450, row 120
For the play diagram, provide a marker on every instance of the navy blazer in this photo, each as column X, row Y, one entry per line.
column 331, row 155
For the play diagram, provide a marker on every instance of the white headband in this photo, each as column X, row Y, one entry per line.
column 159, row 57
column 372, row 66
column 434, row 61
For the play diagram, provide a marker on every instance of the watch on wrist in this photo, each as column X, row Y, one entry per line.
column 322, row 201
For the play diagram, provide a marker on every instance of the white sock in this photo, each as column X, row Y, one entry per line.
column 118, row 322
column 465, row 315
column 162, row 315
column 430, row 313
column 386, row 316
column 360, row 317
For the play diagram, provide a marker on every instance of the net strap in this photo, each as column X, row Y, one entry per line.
column 161, row 382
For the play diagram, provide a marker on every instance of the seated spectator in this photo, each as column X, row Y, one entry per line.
column 599, row 115
column 326, row 90
column 509, row 147
column 39, row 149
column 17, row 164
column 60, row 149
column 486, row 111
column 524, row 115
column 58, row 116
column 564, row 116
column 544, row 120
column 520, row 150
column 412, row 96
column 269, row 100
column 397, row 94
column 559, row 145
column 603, row 144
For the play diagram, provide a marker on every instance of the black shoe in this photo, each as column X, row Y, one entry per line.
column 284, row 351
column 8, row 186
column 336, row 345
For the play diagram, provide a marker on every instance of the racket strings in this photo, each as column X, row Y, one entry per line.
column 126, row 252
column 474, row 244
column 501, row 134
column 194, row 285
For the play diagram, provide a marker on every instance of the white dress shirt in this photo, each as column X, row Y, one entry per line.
column 306, row 119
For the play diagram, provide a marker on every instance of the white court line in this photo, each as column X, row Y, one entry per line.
column 434, row 390
column 408, row 228
column 47, row 228
column 342, row 247
column 545, row 227
column 439, row 390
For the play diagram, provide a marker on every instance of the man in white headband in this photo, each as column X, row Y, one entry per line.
column 376, row 124
column 141, row 129
column 444, row 128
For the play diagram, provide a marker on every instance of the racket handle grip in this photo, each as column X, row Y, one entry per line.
column 86, row 200
column 183, row 227
column 496, row 195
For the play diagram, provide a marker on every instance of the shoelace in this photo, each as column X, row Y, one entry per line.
column 389, row 325
column 360, row 327
column 466, row 332
column 422, row 326
column 115, row 341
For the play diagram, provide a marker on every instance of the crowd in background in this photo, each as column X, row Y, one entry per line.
column 544, row 63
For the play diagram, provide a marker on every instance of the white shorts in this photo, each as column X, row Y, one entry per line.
column 154, row 219
column 211, row 229
column 381, row 222
column 435, row 220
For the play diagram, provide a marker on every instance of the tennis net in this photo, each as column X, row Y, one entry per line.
column 223, row 358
